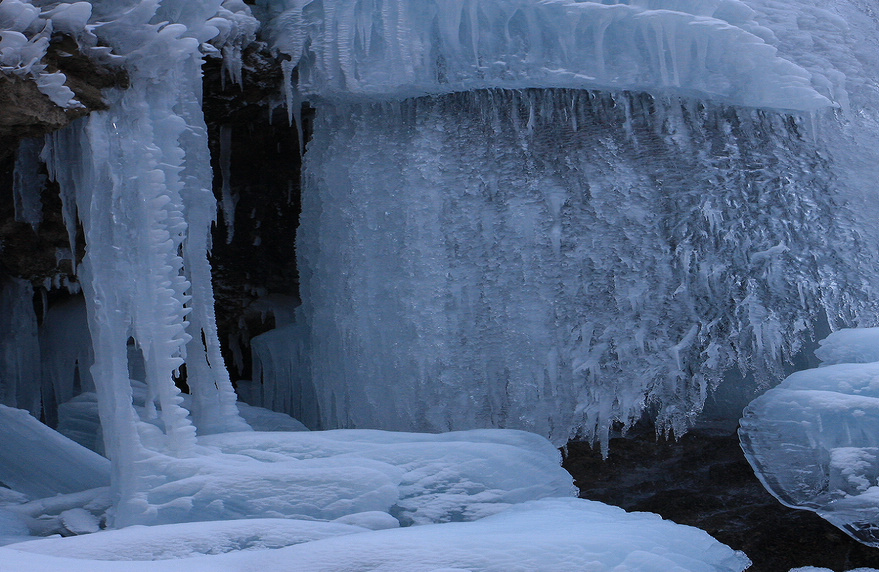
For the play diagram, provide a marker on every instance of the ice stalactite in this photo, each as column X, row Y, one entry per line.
column 19, row 346
column 140, row 177
column 28, row 183
column 66, row 356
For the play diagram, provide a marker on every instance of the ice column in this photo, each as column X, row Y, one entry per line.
column 141, row 181
column 19, row 346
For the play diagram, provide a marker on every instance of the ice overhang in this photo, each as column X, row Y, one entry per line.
column 395, row 49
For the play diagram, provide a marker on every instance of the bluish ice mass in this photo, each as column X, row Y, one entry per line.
column 523, row 221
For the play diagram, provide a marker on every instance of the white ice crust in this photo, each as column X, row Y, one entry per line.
column 551, row 535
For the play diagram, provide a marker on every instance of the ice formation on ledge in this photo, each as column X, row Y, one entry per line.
column 25, row 31
column 814, row 440
column 404, row 48
column 138, row 178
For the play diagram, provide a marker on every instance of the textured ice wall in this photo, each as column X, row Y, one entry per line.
column 559, row 260
column 405, row 48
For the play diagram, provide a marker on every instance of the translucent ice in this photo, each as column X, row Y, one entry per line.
column 19, row 346
column 814, row 440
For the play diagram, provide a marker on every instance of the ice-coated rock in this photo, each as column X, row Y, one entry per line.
column 814, row 440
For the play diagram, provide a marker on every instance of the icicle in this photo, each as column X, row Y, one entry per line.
column 19, row 346
column 28, row 183
column 229, row 200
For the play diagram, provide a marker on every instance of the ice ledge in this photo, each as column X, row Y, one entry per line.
column 395, row 49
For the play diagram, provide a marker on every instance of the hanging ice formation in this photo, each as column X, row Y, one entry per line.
column 555, row 215
column 137, row 176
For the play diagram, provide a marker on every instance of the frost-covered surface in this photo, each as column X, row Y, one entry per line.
column 404, row 48
column 25, row 31
column 548, row 535
column 555, row 260
column 814, row 440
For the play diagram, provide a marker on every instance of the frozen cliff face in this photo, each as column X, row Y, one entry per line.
column 560, row 259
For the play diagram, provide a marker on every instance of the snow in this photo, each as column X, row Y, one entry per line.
column 859, row 345
column 812, row 440
column 549, row 535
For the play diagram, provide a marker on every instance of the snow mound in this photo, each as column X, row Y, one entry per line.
column 814, row 440
column 558, row 534
column 39, row 462
column 175, row 541
column 850, row 345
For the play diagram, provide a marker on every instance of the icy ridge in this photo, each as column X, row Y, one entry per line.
column 403, row 48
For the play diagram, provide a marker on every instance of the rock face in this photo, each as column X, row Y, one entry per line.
column 256, row 159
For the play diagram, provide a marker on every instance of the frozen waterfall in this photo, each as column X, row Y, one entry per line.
column 557, row 260
column 549, row 215
column 557, row 215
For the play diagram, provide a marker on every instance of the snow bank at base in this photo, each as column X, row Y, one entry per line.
column 479, row 500
column 814, row 440
column 558, row 534
column 416, row 478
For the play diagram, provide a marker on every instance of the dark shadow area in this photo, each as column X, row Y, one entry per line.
column 704, row 480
